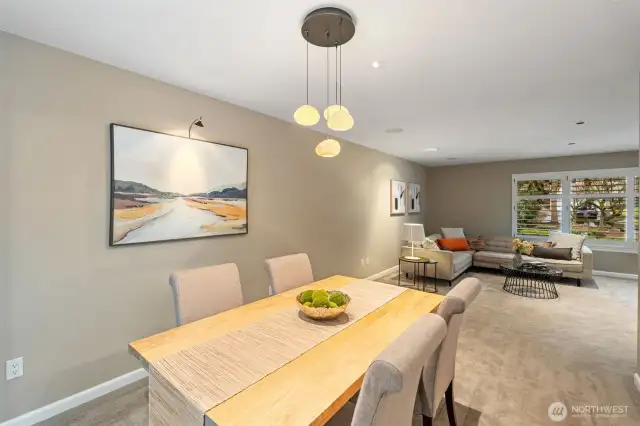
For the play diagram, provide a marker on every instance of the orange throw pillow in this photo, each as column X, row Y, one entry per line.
column 454, row 244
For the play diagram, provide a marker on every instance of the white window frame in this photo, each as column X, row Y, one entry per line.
column 629, row 245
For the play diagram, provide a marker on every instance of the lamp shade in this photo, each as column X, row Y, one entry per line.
column 328, row 148
column 328, row 111
column 340, row 121
column 306, row 115
column 413, row 232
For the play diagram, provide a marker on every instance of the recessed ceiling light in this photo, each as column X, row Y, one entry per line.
column 579, row 122
column 571, row 143
column 394, row 130
column 375, row 64
column 430, row 149
column 452, row 158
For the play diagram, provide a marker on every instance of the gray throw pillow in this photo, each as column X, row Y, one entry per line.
column 552, row 253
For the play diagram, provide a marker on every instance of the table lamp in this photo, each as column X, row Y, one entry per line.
column 413, row 232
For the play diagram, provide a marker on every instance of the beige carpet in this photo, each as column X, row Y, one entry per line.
column 515, row 357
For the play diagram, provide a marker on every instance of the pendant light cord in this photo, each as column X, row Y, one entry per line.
column 340, row 64
column 340, row 75
column 328, row 102
column 337, row 73
column 307, row 34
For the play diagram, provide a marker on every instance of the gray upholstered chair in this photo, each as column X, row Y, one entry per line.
column 203, row 292
column 288, row 272
column 388, row 392
column 439, row 371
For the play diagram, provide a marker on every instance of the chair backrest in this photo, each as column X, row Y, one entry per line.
column 203, row 292
column 440, row 367
column 288, row 272
column 388, row 393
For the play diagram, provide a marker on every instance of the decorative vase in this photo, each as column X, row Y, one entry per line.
column 517, row 260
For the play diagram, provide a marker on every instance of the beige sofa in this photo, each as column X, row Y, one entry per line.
column 497, row 251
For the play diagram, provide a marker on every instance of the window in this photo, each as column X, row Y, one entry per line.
column 600, row 203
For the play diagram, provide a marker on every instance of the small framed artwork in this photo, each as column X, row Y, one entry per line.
column 414, row 198
column 398, row 197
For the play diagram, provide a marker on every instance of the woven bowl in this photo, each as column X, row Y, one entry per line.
column 324, row 313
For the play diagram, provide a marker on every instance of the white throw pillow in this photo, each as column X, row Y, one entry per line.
column 452, row 232
column 572, row 241
column 430, row 244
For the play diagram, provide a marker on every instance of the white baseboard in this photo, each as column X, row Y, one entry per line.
column 636, row 380
column 73, row 401
column 616, row 275
column 382, row 273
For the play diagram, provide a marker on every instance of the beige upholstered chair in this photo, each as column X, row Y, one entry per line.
column 439, row 371
column 389, row 389
column 203, row 292
column 288, row 272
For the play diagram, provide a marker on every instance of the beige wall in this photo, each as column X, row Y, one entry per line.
column 478, row 197
column 73, row 302
column 4, row 253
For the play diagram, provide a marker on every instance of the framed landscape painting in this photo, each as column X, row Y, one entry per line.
column 398, row 197
column 414, row 198
column 166, row 187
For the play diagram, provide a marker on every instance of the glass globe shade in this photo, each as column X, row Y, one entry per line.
column 340, row 121
column 306, row 115
column 328, row 148
column 333, row 108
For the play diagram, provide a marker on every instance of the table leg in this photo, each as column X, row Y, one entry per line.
column 414, row 274
column 435, row 277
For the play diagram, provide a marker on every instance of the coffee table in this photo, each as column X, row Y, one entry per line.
column 528, row 281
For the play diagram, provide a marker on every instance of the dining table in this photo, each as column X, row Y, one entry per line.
column 266, row 363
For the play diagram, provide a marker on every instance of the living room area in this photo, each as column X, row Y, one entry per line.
column 562, row 333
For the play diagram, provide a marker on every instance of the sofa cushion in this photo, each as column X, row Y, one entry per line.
column 477, row 243
column 486, row 256
column 452, row 232
column 462, row 259
column 496, row 258
column 454, row 244
column 573, row 241
column 565, row 265
column 499, row 244
column 430, row 244
column 552, row 253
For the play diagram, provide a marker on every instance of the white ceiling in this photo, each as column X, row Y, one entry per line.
column 481, row 80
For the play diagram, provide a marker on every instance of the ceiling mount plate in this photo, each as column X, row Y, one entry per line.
column 328, row 27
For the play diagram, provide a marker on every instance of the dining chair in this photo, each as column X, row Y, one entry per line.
column 288, row 272
column 439, row 370
column 202, row 292
column 388, row 392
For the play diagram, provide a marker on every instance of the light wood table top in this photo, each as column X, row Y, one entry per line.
column 311, row 388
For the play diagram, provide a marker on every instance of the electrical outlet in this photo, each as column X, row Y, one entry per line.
column 14, row 368
column 366, row 260
column 362, row 261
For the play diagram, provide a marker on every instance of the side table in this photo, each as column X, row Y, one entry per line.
column 416, row 271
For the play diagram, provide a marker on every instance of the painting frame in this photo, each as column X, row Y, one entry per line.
column 413, row 198
column 397, row 197
column 112, row 186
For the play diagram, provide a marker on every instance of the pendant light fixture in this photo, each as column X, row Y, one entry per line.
column 328, row 27
column 329, row 147
column 307, row 115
